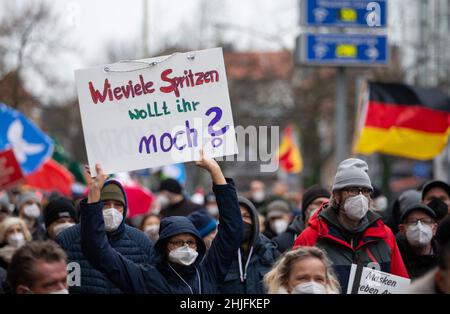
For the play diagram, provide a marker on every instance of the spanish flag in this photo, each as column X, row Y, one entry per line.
column 403, row 120
column 289, row 155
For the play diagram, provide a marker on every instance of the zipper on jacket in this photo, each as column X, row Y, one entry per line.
column 356, row 257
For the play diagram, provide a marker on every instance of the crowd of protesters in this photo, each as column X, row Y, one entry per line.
column 246, row 242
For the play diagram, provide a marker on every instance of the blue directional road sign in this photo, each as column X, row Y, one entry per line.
column 344, row 13
column 343, row 49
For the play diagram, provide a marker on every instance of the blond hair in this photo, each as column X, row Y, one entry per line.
column 276, row 279
column 8, row 222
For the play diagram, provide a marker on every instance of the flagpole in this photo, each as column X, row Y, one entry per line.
column 361, row 98
column 340, row 115
column 439, row 171
column 145, row 28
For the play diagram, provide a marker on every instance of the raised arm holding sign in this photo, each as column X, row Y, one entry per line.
column 181, row 263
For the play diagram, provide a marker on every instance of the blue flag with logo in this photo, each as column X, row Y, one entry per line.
column 31, row 146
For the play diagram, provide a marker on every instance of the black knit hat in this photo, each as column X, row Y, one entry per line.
column 170, row 185
column 311, row 193
column 418, row 207
column 59, row 208
column 435, row 184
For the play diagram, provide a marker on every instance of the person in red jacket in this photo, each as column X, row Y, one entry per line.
column 348, row 231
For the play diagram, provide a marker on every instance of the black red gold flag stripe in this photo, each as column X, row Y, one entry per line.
column 404, row 120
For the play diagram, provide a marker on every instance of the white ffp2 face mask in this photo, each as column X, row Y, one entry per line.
column 152, row 231
column 61, row 227
column 356, row 207
column 16, row 240
column 183, row 255
column 113, row 218
column 163, row 200
column 279, row 226
column 62, row 291
column 258, row 196
column 419, row 234
column 310, row 287
column 381, row 203
column 32, row 211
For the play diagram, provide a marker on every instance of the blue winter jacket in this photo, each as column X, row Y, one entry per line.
column 203, row 276
column 245, row 277
column 126, row 240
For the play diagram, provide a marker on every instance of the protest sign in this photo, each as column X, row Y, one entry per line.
column 372, row 281
column 154, row 112
column 10, row 171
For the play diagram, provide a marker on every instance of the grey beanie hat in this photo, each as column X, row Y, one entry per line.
column 407, row 199
column 28, row 196
column 352, row 172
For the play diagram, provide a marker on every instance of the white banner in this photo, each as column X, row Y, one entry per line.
column 153, row 112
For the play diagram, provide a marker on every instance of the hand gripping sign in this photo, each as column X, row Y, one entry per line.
column 154, row 112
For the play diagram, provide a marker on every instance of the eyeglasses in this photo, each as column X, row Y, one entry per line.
column 425, row 221
column 355, row 191
column 180, row 243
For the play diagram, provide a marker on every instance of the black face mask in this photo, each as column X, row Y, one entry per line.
column 248, row 232
column 440, row 208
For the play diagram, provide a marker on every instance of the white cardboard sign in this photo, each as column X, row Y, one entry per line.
column 154, row 112
column 377, row 282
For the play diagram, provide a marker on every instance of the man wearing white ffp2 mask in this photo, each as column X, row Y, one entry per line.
column 124, row 239
column 59, row 215
column 348, row 231
column 417, row 245
column 279, row 216
column 113, row 206
column 351, row 193
column 186, row 254
column 29, row 208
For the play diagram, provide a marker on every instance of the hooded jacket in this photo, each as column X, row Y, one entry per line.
column 126, row 240
column 203, row 276
column 373, row 243
column 246, row 273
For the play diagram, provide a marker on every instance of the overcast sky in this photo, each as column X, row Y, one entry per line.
column 248, row 24
column 97, row 23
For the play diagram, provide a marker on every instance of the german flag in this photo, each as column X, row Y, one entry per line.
column 289, row 155
column 403, row 120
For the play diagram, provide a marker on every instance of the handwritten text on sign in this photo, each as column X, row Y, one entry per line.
column 373, row 281
column 154, row 112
